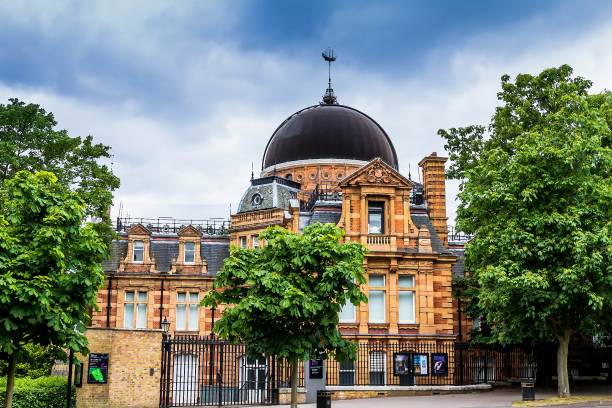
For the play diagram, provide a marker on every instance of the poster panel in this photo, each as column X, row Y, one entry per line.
column 401, row 364
column 439, row 364
column 420, row 364
column 97, row 372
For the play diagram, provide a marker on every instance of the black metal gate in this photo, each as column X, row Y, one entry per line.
column 206, row 371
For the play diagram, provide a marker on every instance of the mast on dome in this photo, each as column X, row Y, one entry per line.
column 329, row 98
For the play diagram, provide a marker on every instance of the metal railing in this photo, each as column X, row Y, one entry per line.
column 204, row 370
column 415, row 362
column 484, row 364
column 212, row 226
column 322, row 192
column 454, row 235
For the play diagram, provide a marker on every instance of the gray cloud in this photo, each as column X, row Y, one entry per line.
column 189, row 154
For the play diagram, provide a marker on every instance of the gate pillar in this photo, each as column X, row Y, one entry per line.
column 314, row 378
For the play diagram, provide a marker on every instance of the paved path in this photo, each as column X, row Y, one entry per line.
column 494, row 399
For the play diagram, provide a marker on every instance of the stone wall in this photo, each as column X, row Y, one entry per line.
column 134, row 369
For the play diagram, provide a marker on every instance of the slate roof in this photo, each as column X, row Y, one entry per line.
column 165, row 252
column 215, row 254
column 458, row 268
column 118, row 252
column 421, row 220
column 274, row 194
column 326, row 213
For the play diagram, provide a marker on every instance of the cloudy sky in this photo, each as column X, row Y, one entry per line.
column 187, row 93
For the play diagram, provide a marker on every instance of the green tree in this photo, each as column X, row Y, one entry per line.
column 284, row 299
column 536, row 193
column 50, row 267
column 30, row 141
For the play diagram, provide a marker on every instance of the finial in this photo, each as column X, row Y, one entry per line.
column 252, row 173
column 329, row 98
column 409, row 175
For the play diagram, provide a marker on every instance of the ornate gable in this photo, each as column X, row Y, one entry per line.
column 189, row 231
column 377, row 172
column 138, row 229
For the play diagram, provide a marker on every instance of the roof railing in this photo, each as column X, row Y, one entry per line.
column 454, row 235
column 169, row 225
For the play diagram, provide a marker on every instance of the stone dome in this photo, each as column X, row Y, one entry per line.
column 328, row 131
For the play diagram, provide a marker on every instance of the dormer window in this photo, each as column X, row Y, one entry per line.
column 376, row 217
column 190, row 248
column 138, row 251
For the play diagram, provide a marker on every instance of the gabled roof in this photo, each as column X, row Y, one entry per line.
column 138, row 229
column 377, row 172
column 189, row 231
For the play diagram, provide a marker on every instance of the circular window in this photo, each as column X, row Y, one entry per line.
column 256, row 200
column 299, row 177
column 340, row 176
column 325, row 176
column 312, row 176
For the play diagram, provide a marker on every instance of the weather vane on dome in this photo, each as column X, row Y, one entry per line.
column 329, row 98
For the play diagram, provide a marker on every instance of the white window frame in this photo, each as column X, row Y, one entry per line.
column 188, row 303
column 243, row 242
column 255, row 240
column 135, row 303
column 135, row 244
column 406, row 289
column 185, row 253
column 354, row 318
column 382, row 289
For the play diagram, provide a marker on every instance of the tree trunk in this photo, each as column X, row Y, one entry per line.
column 10, row 381
column 562, row 372
column 294, row 376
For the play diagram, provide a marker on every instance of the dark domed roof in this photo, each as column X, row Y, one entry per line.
column 329, row 132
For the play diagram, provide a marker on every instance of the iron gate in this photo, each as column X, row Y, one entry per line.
column 207, row 371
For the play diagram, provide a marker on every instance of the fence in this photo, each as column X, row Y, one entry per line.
column 401, row 363
column 482, row 364
column 437, row 362
column 199, row 371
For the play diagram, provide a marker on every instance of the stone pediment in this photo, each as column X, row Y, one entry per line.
column 138, row 229
column 377, row 172
column 189, row 231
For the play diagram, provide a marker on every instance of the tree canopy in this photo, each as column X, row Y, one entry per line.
column 30, row 141
column 50, row 265
column 284, row 298
column 536, row 193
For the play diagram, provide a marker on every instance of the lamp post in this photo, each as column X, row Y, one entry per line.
column 165, row 377
column 212, row 320
column 69, row 390
column 165, row 326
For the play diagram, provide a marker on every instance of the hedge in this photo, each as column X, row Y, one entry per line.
column 43, row 392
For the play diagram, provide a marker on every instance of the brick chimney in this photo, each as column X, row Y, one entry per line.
column 434, row 185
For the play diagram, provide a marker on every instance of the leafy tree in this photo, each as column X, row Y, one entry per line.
column 30, row 141
column 284, row 299
column 50, row 267
column 34, row 361
column 536, row 193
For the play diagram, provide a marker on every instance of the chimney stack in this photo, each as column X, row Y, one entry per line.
column 434, row 186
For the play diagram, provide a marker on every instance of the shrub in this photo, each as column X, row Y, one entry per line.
column 43, row 392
